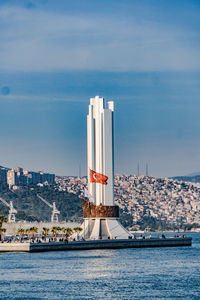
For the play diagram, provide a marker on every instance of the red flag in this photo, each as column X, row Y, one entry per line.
column 97, row 177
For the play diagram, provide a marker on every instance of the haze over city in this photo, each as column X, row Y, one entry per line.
column 144, row 55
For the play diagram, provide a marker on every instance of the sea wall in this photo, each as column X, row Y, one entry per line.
column 100, row 244
column 111, row 244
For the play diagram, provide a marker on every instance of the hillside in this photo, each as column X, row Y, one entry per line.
column 147, row 201
column 144, row 201
column 195, row 178
column 31, row 208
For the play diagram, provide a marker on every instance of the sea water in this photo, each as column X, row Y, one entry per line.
column 149, row 273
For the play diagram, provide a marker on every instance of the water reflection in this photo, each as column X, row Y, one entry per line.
column 119, row 274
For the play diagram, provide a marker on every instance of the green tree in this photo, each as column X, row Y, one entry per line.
column 69, row 232
column 3, row 219
column 28, row 231
column 34, row 230
column 63, row 229
column 59, row 229
column 45, row 231
column 54, row 230
column 21, row 231
column 77, row 230
column 2, row 231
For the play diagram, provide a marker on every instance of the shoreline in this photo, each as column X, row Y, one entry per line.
column 96, row 244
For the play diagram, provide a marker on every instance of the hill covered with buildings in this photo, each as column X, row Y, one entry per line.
column 144, row 201
column 147, row 201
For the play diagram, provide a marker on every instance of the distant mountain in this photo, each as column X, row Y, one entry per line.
column 4, row 168
column 193, row 174
column 195, row 178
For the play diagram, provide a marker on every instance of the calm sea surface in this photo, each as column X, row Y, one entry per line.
column 159, row 273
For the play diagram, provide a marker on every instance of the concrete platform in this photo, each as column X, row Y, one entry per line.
column 14, row 247
column 92, row 245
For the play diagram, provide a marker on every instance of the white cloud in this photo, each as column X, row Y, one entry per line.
column 34, row 40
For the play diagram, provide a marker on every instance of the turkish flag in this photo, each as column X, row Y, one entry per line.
column 97, row 177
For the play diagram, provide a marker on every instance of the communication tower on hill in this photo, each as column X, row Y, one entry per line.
column 138, row 169
column 147, row 170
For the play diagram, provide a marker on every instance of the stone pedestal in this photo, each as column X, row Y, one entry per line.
column 101, row 222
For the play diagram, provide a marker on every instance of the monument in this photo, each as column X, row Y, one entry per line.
column 100, row 214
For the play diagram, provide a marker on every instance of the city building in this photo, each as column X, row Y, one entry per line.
column 11, row 178
column 19, row 177
column 3, row 175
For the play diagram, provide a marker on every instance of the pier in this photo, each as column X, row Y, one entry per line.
column 95, row 244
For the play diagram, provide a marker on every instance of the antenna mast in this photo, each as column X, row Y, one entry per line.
column 147, row 170
column 138, row 169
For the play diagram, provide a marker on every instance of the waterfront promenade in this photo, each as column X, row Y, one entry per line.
column 95, row 244
column 12, row 228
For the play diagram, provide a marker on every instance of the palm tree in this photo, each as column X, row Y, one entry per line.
column 21, row 231
column 59, row 228
column 45, row 231
column 3, row 219
column 28, row 231
column 54, row 230
column 2, row 230
column 63, row 229
column 69, row 231
column 34, row 230
column 77, row 230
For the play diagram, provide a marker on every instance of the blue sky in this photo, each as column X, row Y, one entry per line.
column 145, row 55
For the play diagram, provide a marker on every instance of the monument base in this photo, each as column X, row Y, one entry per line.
column 103, row 228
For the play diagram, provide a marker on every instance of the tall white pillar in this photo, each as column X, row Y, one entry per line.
column 91, row 149
column 108, row 156
column 100, row 149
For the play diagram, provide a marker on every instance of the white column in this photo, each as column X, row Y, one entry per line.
column 91, row 149
column 108, row 155
column 100, row 149
column 99, row 105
